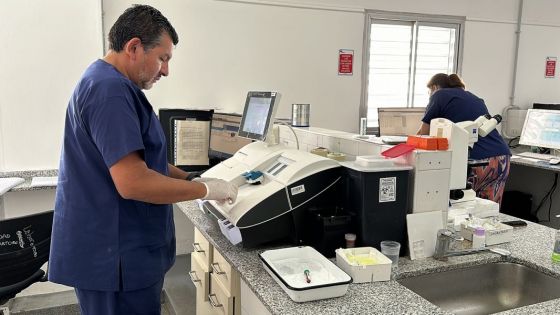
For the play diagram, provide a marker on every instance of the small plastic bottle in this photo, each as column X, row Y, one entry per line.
column 478, row 238
column 556, row 249
column 350, row 240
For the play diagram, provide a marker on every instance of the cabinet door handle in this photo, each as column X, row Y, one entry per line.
column 194, row 278
column 197, row 248
column 217, row 269
column 213, row 296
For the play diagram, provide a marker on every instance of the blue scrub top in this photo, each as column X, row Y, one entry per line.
column 458, row 105
column 101, row 241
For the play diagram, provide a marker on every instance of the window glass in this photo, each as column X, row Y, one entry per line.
column 435, row 53
column 403, row 55
column 389, row 67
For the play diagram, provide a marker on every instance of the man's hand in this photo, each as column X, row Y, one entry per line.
column 220, row 190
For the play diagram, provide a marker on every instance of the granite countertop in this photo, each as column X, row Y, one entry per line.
column 535, row 163
column 28, row 176
column 519, row 160
column 531, row 246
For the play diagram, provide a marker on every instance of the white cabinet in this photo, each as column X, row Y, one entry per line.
column 251, row 304
column 221, row 301
column 217, row 283
column 202, row 250
column 224, row 274
column 430, row 179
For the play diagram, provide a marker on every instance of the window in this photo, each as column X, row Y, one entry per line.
column 402, row 53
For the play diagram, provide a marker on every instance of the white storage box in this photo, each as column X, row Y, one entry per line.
column 287, row 267
column 364, row 264
column 501, row 233
column 374, row 161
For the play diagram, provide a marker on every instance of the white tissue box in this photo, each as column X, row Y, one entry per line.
column 501, row 234
column 381, row 271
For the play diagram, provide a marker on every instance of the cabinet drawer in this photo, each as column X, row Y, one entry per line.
column 202, row 250
column 203, row 307
column 431, row 160
column 223, row 272
column 221, row 301
column 201, row 280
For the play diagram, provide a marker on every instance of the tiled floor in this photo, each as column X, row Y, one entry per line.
column 50, row 298
column 179, row 290
column 44, row 287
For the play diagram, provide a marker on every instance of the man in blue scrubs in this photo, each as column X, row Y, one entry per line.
column 113, row 234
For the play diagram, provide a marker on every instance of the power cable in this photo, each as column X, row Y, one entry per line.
column 548, row 196
column 513, row 146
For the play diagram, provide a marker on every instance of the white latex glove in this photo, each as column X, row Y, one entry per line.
column 220, row 190
column 203, row 179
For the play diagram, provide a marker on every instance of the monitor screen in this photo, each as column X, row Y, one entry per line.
column 399, row 121
column 258, row 115
column 224, row 141
column 546, row 106
column 541, row 128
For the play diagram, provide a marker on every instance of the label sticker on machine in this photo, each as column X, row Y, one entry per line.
column 387, row 189
column 297, row 190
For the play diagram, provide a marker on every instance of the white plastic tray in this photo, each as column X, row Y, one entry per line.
column 380, row 271
column 287, row 266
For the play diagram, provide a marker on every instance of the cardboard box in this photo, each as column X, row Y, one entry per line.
column 380, row 271
column 501, row 234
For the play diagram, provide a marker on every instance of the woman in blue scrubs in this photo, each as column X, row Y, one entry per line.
column 450, row 100
column 113, row 235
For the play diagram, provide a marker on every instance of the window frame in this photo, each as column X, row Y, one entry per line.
column 417, row 20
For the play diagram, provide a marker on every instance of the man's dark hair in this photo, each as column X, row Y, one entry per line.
column 144, row 22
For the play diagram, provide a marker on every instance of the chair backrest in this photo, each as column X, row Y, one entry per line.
column 24, row 246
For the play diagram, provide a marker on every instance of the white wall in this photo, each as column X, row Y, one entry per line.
column 226, row 49
column 46, row 46
column 229, row 47
column 21, row 203
column 488, row 62
column 539, row 42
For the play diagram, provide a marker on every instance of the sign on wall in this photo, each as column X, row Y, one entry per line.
column 345, row 61
column 550, row 68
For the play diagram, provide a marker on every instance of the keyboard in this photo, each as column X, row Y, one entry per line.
column 538, row 156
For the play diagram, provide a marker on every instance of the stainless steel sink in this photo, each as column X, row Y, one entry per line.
column 485, row 289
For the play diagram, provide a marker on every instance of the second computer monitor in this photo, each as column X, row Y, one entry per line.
column 399, row 121
column 258, row 115
column 541, row 128
column 224, row 141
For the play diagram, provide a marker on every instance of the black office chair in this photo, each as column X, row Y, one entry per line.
column 24, row 247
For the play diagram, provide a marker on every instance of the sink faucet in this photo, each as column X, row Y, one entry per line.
column 443, row 246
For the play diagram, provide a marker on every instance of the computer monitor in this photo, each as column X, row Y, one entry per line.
column 224, row 141
column 399, row 121
column 258, row 115
column 546, row 106
column 541, row 128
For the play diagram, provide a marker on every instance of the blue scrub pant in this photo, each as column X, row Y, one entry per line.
column 145, row 301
